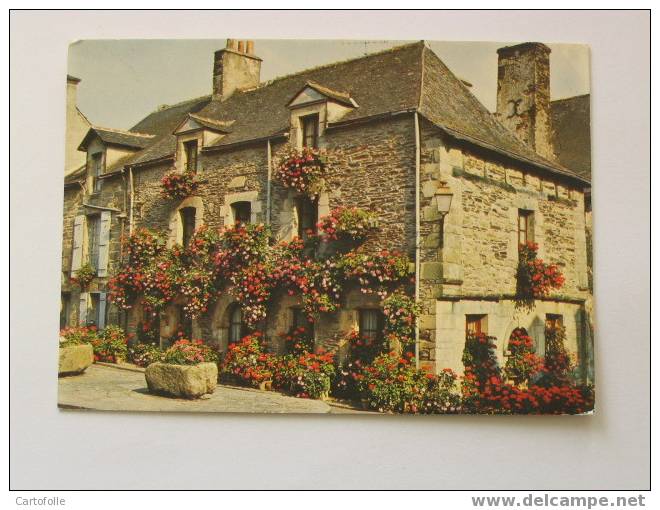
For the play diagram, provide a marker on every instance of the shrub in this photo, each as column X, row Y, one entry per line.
column 144, row 354
column 78, row 335
column 348, row 224
column 557, row 365
column 347, row 377
column 307, row 375
column 187, row 352
column 400, row 312
column 522, row 364
column 247, row 363
column 178, row 184
column 298, row 341
column 392, row 384
column 110, row 346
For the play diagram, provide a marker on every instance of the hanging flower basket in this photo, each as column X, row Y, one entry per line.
column 302, row 169
column 535, row 278
column 348, row 224
column 84, row 276
column 178, row 184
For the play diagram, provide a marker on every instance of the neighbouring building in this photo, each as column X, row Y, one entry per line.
column 403, row 131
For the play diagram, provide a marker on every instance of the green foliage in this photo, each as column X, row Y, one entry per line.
column 84, row 276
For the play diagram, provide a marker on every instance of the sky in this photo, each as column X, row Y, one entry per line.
column 124, row 80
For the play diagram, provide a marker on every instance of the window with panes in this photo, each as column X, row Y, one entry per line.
column 236, row 327
column 308, row 216
column 371, row 324
column 93, row 233
column 187, row 224
column 190, row 151
column 310, row 131
column 476, row 324
column 97, row 170
column 525, row 226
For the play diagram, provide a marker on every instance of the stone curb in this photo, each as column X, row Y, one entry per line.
column 121, row 366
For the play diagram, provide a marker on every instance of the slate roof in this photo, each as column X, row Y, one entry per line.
column 447, row 102
column 162, row 123
column 571, row 123
column 135, row 140
column 406, row 78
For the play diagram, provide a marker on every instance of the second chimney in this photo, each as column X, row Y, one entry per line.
column 235, row 67
column 523, row 94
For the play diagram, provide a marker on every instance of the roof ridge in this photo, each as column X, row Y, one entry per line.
column 167, row 107
column 122, row 131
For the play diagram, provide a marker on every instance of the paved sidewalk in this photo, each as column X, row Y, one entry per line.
column 104, row 388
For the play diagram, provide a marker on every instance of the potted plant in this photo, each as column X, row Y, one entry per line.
column 76, row 353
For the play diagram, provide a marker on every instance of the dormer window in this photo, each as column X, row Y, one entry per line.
column 190, row 154
column 310, row 131
column 96, row 170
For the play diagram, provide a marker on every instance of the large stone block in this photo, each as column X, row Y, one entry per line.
column 75, row 359
column 431, row 270
column 187, row 381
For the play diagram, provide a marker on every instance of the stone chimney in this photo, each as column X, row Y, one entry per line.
column 235, row 67
column 523, row 94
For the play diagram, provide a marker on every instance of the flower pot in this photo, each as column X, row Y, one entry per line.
column 266, row 385
column 187, row 381
column 75, row 359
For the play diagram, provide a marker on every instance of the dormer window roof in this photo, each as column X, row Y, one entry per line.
column 314, row 92
column 196, row 122
column 129, row 139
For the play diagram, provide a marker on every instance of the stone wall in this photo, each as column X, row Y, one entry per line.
column 372, row 168
column 474, row 251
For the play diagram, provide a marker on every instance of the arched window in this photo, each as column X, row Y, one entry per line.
column 236, row 328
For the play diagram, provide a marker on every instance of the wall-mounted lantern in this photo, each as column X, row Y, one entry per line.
column 443, row 196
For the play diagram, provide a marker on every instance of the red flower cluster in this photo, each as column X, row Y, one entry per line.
column 178, row 184
column 189, row 352
column 298, row 341
column 347, row 223
column 522, row 364
column 374, row 272
column 247, row 363
column 301, row 169
column 535, row 278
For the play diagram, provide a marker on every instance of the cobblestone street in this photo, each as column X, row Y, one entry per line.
column 105, row 388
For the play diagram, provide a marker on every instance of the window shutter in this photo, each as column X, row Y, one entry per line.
column 104, row 243
column 102, row 305
column 82, row 311
column 76, row 256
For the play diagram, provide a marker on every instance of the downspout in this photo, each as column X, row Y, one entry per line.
column 268, row 180
column 130, row 207
column 417, row 231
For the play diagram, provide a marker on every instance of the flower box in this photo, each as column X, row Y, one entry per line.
column 75, row 359
column 186, row 381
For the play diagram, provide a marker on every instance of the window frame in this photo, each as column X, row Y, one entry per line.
column 526, row 218
column 231, row 338
column 305, row 205
column 478, row 319
column 97, row 170
column 307, row 121
column 94, row 240
column 377, row 313
column 242, row 206
column 188, row 165
column 185, row 215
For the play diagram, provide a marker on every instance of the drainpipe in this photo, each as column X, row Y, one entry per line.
column 417, row 231
column 268, row 183
column 130, row 209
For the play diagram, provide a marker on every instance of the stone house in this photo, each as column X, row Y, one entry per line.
column 404, row 133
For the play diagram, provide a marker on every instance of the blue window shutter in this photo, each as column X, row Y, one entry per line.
column 82, row 310
column 104, row 243
column 102, row 305
column 78, row 233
